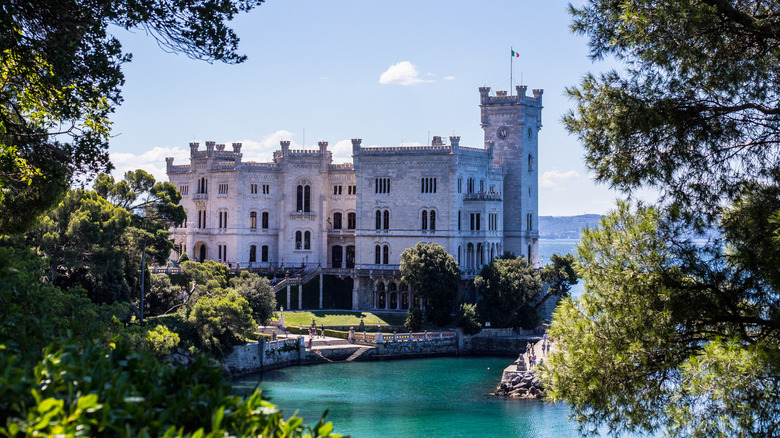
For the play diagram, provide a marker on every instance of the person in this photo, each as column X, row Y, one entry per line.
column 362, row 325
column 351, row 336
column 273, row 335
column 313, row 325
column 322, row 333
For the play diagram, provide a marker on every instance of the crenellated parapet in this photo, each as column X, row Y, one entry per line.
column 504, row 98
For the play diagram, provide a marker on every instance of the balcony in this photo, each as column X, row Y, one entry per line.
column 200, row 196
column 303, row 215
column 482, row 196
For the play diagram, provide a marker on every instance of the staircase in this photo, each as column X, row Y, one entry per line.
column 294, row 281
column 357, row 354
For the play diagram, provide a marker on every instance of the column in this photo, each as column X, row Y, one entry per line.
column 320, row 289
column 288, row 296
column 300, row 295
column 355, row 287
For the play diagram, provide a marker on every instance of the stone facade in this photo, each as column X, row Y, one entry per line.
column 355, row 219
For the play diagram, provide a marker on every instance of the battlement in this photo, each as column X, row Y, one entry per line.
column 503, row 97
column 214, row 150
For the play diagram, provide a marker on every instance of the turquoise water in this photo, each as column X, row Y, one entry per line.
column 437, row 397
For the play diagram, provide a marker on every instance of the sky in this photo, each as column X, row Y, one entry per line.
column 392, row 73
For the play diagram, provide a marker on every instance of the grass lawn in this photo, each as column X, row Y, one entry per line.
column 339, row 317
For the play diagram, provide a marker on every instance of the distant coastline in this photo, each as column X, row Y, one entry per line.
column 566, row 227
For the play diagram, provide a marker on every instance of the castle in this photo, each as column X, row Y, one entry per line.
column 353, row 220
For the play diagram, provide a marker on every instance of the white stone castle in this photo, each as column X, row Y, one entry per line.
column 353, row 220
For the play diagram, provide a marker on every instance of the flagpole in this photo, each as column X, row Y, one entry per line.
column 511, row 69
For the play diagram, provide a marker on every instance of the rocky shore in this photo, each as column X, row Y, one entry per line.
column 520, row 384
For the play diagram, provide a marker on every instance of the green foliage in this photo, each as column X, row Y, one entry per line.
column 506, row 285
column 162, row 297
column 259, row 294
column 680, row 337
column 434, row 274
column 221, row 322
column 528, row 318
column 184, row 258
column 94, row 391
column 466, row 318
column 204, row 273
column 61, row 78
column 560, row 274
column 414, row 319
column 160, row 341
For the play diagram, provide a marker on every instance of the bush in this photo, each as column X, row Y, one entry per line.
column 466, row 318
column 184, row 258
column 414, row 318
column 528, row 318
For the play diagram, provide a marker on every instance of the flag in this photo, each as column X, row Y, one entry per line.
column 515, row 54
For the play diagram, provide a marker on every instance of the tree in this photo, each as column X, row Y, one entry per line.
column 221, row 322
column 669, row 334
column 257, row 291
column 434, row 275
column 414, row 319
column 163, row 296
column 466, row 318
column 506, row 284
column 695, row 112
column 560, row 276
column 61, row 71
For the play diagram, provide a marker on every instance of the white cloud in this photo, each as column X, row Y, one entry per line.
column 552, row 178
column 403, row 73
column 449, row 78
column 152, row 161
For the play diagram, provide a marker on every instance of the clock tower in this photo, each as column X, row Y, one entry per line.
column 512, row 124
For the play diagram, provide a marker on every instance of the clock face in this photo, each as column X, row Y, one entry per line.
column 503, row 132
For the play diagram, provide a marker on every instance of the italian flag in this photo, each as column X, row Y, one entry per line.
column 515, row 54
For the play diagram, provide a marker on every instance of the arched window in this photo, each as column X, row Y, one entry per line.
column 298, row 240
column 351, row 221
column 386, row 254
column 265, row 220
column 253, row 220
column 470, row 185
column 530, row 163
column 307, row 240
column 303, row 198
column 336, row 221
column 529, row 221
column 482, row 186
column 264, row 253
column 433, row 220
column 424, row 220
column 459, row 220
column 378, row 219
column 377, row 255
column 387, row 220
column 480, row 255
column 252, row 253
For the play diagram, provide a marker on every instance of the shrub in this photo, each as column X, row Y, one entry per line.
column 466, row 318
column 414, row 318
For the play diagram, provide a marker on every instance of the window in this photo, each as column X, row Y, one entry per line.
column 475, row 221
column 382, row 219
column 336, row 221
column 424, row 220
column 184, row 190
column 493, row 221
column 223, row 189
column 470, row 185
column 266, row 189
column 202, row 186
column 382, row 185
column 377, row 255
column 530, row 163
column 459, row 221
column 351, row 221
column 252, row 253
column 352, row 190
column 264, row 253
column 222, row 251
column 529, row 221
column 428, row 185
column 253, row 220
column 201, row 218
column 298, row 240
column 460, row 185
column 253, row 189
column 386, row 254
column 429, row 220
column 307, row 240
column 303, row 198
column 264, row 220
column 337, row 190
column 223, row 219
column 433, row 220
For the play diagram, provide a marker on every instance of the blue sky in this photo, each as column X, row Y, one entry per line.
column 390, row 73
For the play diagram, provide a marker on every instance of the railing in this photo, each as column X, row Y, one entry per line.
column 200, row 196
column 482, row 196
column 377, row 338
column 303, row 214
column 281, row 343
